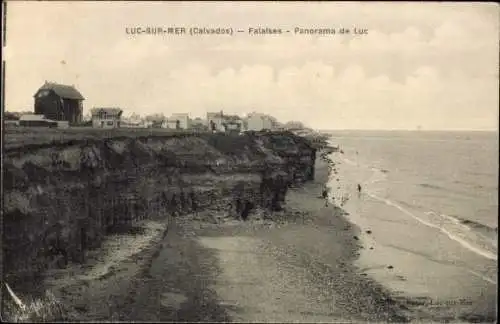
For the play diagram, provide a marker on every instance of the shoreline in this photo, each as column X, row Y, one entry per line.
column 424, row 267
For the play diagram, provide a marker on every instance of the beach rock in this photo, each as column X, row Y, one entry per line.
column 356, row 238
column 368, row 232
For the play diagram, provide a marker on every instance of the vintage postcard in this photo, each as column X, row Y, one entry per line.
column 249, row 161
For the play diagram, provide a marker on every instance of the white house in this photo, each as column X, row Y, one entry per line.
column 178, row 121
column 171, row 124
column 217, row 120
column 106, row 117
column 258, row 122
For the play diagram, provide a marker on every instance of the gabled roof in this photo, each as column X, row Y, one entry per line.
column 108, row 110
column 234, row 118
column 63, row 91
column 214, row 114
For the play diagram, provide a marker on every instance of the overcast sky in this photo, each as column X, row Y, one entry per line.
column 429, row 64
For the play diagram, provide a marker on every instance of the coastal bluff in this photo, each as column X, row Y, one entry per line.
column 64, row 192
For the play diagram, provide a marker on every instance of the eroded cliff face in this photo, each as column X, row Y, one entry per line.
column 60, row 200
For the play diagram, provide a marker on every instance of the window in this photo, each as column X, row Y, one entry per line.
column 43, row 93
column 103, row 115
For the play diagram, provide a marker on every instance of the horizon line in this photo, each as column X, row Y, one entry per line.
column 408, row 130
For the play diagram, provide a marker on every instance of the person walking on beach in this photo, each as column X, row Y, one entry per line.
column 325, row 196
column 359, row 190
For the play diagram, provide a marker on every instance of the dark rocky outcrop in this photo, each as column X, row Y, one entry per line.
column 63, row 198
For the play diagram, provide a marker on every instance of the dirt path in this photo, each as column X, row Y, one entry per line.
column 255, row 288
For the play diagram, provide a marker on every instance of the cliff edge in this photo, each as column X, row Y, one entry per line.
column 62, row 197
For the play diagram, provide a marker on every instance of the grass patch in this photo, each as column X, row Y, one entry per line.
column 45, row 309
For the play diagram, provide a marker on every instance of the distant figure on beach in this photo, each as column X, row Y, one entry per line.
column 194, row 205
column 359, row 188
column 325, row 196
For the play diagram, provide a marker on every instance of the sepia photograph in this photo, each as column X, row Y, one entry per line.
column 249, row 161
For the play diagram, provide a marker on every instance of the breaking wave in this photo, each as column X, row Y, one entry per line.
column 472, row 235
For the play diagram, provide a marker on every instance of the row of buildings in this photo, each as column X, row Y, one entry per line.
column 214, row 121
column 62, row 105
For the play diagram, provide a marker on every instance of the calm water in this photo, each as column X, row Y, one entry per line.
column 446, row 179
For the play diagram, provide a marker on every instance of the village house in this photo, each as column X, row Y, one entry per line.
column 172, row 124
column 33, row 120
column 157, row 123
column 106, row 117
column 215, row 121
column 59, row 102
column 232, row 124
column 258, row 122
column 131, row 124
column 199, row 124
column 178, row 121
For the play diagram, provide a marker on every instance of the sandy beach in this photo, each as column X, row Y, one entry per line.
column 296, row 268
column 432, row 272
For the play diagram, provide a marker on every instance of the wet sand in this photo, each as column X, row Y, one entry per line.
column 434, row 276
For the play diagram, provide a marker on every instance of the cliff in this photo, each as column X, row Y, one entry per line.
column 62, row 196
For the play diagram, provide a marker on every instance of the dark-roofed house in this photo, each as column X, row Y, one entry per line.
column 106, row 117
column 59, row 102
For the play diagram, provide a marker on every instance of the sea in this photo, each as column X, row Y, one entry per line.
column 444, row 180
